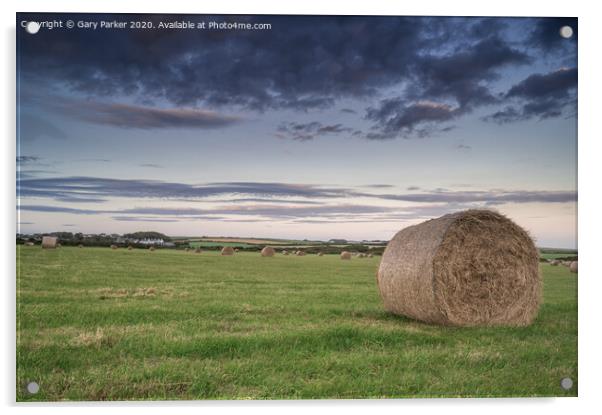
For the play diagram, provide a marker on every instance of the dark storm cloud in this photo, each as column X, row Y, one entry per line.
column 539, row 95
column 446, row 87
column 546, row 34
column 309, row 131
column 303, row 62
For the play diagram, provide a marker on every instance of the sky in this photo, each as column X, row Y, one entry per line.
column 305, row 127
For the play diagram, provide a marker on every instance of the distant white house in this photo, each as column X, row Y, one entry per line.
column 148, row 241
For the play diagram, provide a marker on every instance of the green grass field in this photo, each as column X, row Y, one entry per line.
column 97, row 324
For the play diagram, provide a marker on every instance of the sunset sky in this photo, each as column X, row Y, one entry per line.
column 319, row 127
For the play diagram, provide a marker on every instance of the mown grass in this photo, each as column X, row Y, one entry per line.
column 98, row 324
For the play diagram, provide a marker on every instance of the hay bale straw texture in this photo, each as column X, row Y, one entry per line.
column 268, row 251
column 573, row 266
column 471, row 268
column 554, row 263
column 227, row 250
column 49, row 242
column 345, row 255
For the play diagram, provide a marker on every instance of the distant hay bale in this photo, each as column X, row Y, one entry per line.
column 370, row 255
column 320, row 253
column 284, row 252
column 227, row 250
column 29, row 243
column 566, row 263
column 470, row 268
column 300, row 253
column 49, row 242
column 130, row 247
column 554, row 263
column 197, row 250
column 573, row 267
column 113, row 246
column 268, row 251
column 152, row 248
column 345, row 255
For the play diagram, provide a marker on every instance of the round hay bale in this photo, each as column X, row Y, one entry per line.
column 284, row 252
column 152, row 248
column 470, row 268
column 227, row 250
column 49, row 242
column 300, row 253
column 197, row 250
column 573, row 267
column 345, row 255
column 268, row 251
column 320, row 253
column 113, row 246
column 554, row 263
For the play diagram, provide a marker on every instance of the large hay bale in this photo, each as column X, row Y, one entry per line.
column 554, row 263
column 573, row 267
column 345, row 255
column 465, row 269
column 227, row 250
column 268, row 251
column 49, row 242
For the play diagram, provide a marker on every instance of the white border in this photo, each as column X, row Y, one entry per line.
column 589, row 199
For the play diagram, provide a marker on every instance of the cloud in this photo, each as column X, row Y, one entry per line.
column 463, row 147
column 395, row 118
column 133, row 116
column 546, row 34
column 309, row 131
column 96, row 188
column 539, row 95
column 151, row 165
column 491, row 197
column 27, row 159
